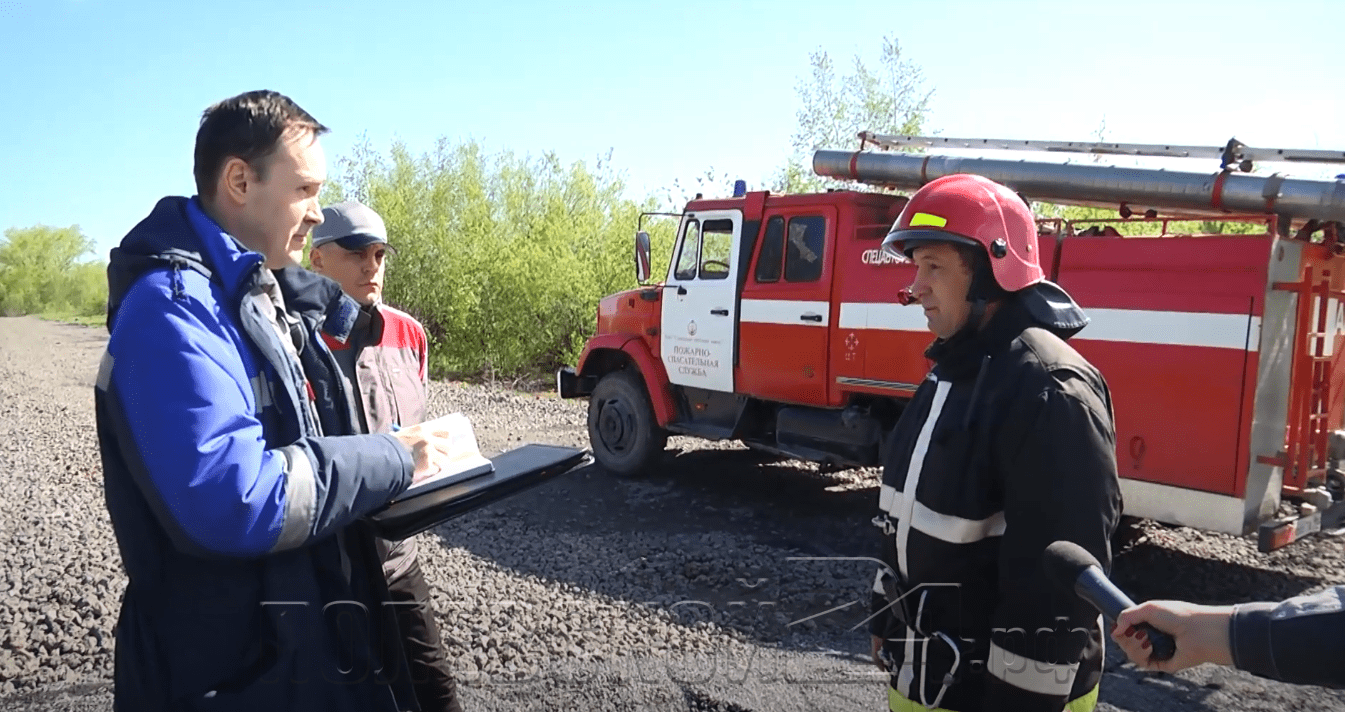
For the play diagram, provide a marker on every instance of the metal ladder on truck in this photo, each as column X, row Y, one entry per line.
column 1233, row 154
column 1308, row 456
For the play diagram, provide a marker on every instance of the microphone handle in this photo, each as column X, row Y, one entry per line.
column 1098, row 590
column 1163, row 647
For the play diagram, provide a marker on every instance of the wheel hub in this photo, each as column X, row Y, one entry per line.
column 616, row 426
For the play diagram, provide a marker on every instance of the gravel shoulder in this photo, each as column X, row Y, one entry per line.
column 723, row 582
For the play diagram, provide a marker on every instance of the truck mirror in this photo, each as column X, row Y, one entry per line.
column 642, row 251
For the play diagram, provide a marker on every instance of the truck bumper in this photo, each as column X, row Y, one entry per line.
column 569, row 384
column 1310, row 520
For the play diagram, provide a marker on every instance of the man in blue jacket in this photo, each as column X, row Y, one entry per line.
column 235, row 492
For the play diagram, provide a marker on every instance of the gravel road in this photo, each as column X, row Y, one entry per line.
column 724, row 582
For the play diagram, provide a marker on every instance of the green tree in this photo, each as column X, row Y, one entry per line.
column 503, row 257
column 890, row 98
column 711, row 183
column 40, row 273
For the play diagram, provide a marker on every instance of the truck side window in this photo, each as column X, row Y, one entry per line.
column 717, row 250
column 772, row 251
column 803, row 252
column 691, row 251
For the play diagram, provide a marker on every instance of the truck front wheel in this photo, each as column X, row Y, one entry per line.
column 622, row 429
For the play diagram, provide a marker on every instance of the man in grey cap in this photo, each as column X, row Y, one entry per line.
column 386, row 361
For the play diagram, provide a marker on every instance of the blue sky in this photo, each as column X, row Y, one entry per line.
column 101, row 98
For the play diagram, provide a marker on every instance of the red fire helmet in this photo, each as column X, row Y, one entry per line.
column 972, row 210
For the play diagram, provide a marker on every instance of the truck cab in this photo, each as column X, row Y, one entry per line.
column 750, row 335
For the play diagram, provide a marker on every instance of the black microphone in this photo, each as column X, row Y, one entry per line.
column 1072, row 567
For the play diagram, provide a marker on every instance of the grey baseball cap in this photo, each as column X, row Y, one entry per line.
column 351, row 225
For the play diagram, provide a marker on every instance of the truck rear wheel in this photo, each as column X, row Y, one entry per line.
column 625, row 435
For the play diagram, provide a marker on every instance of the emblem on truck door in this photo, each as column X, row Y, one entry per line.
column 691, row 328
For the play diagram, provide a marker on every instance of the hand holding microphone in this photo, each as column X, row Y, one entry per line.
column 1072, row 567
column 1201, row 630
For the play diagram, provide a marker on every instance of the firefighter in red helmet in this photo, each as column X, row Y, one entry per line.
column 1007, row 446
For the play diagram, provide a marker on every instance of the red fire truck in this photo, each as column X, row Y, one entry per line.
column 780, row 324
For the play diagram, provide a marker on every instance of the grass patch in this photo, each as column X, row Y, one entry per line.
column 98, row 320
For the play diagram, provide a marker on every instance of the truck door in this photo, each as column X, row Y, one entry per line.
column 699, row 313
column 786, row 309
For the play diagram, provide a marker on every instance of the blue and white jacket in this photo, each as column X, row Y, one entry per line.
column 235, row 494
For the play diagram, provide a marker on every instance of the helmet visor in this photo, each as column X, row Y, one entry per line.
column 901, row 243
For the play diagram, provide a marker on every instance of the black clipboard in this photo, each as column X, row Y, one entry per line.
column 515, row 470
column 483, row 469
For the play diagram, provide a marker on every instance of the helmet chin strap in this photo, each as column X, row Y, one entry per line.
column 976, row 294
column 973, row 323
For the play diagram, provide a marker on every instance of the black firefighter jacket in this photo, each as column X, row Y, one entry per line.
column 1007, row 446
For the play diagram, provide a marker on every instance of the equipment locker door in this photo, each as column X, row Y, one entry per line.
column 1175, row 325
column 699, row 311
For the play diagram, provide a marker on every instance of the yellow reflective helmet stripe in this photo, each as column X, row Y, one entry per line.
column 920, row 219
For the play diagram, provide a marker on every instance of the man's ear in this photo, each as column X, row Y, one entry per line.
column 235, row 179
column 315, row 259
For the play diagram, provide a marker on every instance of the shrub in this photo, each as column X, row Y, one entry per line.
column 503, row 258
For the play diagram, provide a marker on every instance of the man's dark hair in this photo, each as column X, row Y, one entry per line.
column 248, row 126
